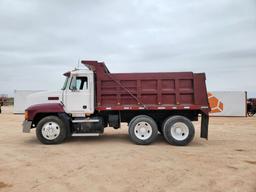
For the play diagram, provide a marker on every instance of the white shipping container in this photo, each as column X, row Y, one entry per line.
column 228, row 103
column 20, row 97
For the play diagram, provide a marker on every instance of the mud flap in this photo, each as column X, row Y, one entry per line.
column 204, row 126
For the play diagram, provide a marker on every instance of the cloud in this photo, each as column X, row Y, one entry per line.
column 39, row 40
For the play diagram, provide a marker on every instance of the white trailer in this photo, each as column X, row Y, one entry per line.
column 228, row 103
column 20, row 98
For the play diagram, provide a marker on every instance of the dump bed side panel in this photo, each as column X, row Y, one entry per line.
column 146, row 89
column 149, row 89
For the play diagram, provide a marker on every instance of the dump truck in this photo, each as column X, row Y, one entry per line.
column 93, row 99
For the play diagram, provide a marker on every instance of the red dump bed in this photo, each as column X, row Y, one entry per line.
column 149, row 91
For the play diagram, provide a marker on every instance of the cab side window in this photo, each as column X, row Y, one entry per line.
column 82, row 83
column 79, row 83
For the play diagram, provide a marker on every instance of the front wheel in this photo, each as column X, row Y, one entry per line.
column 51, row 130
column 143, row 130
column 178, row 130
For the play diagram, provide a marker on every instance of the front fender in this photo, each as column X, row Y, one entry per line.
column 44, row 108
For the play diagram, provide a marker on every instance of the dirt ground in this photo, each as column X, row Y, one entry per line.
column 226, row 162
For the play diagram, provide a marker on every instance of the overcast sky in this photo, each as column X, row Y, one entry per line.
column 41, row 39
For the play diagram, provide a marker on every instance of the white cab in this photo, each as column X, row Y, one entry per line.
column 78, row 94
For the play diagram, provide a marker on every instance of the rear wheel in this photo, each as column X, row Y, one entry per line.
column 143, row 130
column 51, row 130
column 178, row 130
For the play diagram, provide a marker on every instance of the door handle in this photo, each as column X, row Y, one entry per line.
column 84, row 107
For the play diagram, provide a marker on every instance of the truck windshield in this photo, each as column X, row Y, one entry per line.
column 65, row 84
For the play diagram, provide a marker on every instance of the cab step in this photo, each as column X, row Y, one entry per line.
column 85, row 134
column 85, row 121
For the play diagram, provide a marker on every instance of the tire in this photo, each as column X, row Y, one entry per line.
column 178, row 130
column 143, row 130
column 51, row 130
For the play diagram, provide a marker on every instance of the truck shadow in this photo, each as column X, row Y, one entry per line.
column 106, row 138
column 111, row 138
column 115, row 138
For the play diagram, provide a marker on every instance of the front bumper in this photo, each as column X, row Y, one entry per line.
column 26, row 126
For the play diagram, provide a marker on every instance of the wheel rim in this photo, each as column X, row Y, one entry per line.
column 143, row 130
column 50, row 130
column 179, row 131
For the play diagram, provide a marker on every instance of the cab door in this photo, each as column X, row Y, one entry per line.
column 79, row 97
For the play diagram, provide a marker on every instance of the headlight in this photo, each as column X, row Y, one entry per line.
column 26, row 115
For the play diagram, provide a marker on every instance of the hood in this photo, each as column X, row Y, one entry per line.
column 44, row 97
